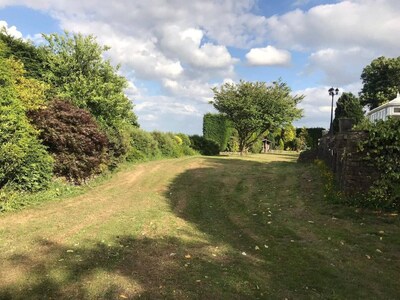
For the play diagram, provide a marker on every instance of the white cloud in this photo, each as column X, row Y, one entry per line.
column 10, row 30
column 186, row 45
column 268, row 56
column 366, row 24
column 336, row 65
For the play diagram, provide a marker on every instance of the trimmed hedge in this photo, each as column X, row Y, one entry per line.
column 216, row 127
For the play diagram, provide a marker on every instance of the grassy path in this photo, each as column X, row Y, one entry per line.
column 201, row 228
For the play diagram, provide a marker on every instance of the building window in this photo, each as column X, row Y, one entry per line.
column 397, row 109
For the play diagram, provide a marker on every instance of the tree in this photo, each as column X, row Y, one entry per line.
column 381, row 81
column 255, row 107
column 77, row 71
column 348, row 106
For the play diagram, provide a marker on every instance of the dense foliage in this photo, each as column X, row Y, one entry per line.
column 204, row 146
column 382, row 149
column 77, row 71
column 24, row 162
column 381, row 81
column 348, row 106
column 144, row 146
column 91, row 126
column 216, row 127
column 73, row 138
column 33, row 58
column 309, row 136
column 255, row 107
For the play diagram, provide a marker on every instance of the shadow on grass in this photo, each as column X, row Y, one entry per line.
column 231, row 201
column 260, row 209
column 129, row 268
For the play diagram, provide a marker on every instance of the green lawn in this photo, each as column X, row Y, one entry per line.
column 256, row 227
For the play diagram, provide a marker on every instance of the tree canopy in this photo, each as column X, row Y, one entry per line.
column 348, row 106
column 255, row 107
column 381, row 81
column 77, row 71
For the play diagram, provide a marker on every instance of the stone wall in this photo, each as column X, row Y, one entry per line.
column 341, row 153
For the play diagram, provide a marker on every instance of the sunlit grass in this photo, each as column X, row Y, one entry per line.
column 253, row 227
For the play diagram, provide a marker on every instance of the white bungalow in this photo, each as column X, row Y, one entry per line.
column 390, row 109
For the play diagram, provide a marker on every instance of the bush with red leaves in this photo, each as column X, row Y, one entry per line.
column 73, row 138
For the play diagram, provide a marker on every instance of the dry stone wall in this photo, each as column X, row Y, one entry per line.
column 341, row 153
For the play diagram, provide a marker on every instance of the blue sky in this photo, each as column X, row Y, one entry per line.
column 173, row 52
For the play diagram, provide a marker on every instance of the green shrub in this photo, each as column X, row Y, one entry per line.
column 73, row 138
column 167, row 144
column 144, row 146
column 185, row 139
column 257, row 146
column 382, row 150
column 204, row 146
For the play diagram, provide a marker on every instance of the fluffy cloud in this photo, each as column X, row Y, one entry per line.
column 10, row 30
column 268, row 56
column 335, row 64
column 365, row 24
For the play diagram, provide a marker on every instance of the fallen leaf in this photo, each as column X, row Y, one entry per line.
column 266, row 246
column 244, row 253
column 172, row 254
column 256, row 248
column 381, row 232
column 367, row 256
column 311, row 222
column 123, row 296
column 70, row 251
column 378, row 250
column 187, row 256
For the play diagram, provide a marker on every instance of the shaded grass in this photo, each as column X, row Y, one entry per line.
column 256, row 227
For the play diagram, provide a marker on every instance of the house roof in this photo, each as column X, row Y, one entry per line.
column 394, row 102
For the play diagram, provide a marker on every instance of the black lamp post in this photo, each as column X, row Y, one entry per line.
column 332, row 92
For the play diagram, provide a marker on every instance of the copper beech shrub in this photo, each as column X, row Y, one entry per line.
column 74, row 139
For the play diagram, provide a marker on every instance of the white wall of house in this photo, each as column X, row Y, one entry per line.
column 383, row 112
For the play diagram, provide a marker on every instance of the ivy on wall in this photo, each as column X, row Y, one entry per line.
column 382, row 150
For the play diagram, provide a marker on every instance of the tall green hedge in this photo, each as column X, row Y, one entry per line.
column 24, row 162
column 216, row 128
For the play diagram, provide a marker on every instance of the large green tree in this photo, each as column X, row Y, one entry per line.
column 77, row 71
column 381, row 81
column 348, row 106
column 255, row 107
